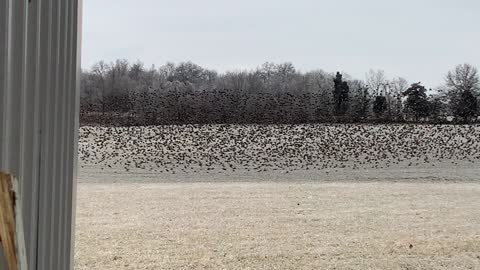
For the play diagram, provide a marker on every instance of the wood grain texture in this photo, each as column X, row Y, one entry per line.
column 7, row 220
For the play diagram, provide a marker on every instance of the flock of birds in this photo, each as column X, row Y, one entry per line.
column 266, row 148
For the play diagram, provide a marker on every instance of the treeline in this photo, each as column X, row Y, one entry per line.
column 127, row 94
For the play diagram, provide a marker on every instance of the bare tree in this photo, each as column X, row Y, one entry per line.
column 463, row 78
column 397, row 87
column 100, row 70
column 376, row 81
column 463, row 84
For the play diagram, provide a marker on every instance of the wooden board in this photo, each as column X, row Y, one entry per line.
column 11, row 227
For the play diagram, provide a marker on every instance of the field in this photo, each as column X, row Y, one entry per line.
column 279, row 197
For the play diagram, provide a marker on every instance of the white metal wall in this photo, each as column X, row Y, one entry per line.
column 39, row 63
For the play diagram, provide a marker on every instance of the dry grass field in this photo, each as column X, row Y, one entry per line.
column 279, row 197
column 278, row 226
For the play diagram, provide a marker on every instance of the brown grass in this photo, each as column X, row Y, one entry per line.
column 278, row 226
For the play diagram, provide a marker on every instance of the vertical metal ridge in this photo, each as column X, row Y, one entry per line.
column 53, row 114
column 4, row 80
column 56, row 138
column 62, row 177
column 4, row 26
column 47, row 101
column 74, row 122
column 64, row 258
column 31, row 124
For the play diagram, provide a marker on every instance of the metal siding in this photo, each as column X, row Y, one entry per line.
column 39, row 67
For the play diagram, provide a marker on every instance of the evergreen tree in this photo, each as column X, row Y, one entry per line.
column 417, row 103
column 467, row 106
column 340, row 95
column 379, row 106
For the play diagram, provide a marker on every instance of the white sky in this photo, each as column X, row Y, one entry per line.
column 417, row 39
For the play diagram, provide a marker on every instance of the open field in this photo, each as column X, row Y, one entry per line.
column 278, row 226
column 279, row 197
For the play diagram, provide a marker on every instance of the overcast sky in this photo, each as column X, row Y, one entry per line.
column 416, row 39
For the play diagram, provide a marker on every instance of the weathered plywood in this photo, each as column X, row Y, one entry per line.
column 11, row 226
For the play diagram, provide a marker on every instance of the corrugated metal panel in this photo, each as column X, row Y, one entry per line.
column 39, row 63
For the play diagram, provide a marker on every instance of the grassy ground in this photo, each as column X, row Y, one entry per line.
column 225, row 225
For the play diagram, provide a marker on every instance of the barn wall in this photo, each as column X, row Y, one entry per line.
column 39, row 99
